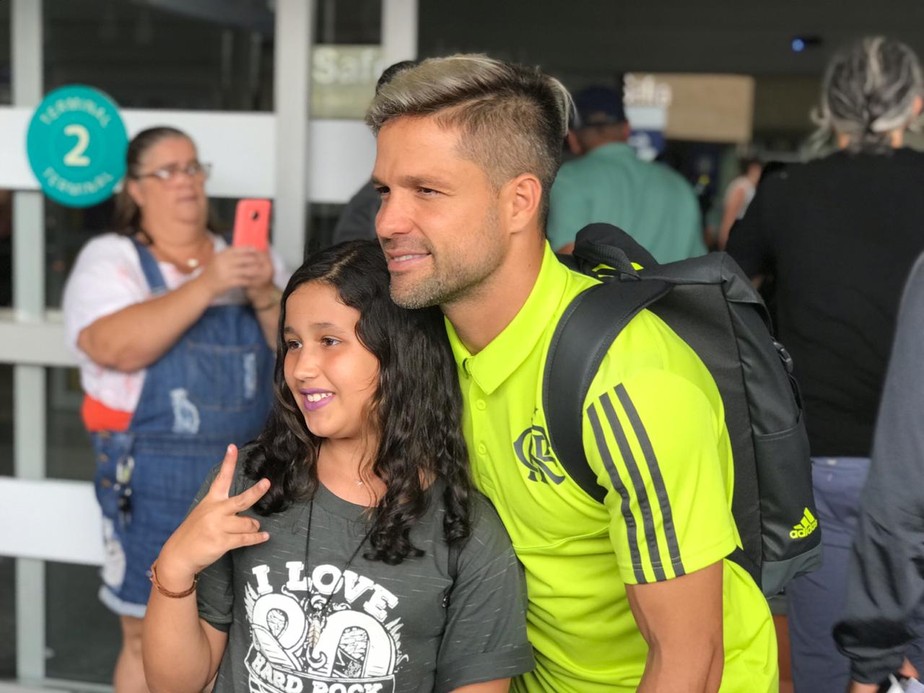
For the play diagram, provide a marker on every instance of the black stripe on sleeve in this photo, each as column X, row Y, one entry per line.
column 657, row 480
column 624, row 507
column 644, row 505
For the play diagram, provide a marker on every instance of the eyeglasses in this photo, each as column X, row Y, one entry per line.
column 194, row 170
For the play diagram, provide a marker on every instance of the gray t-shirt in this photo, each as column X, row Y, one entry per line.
column 384, row 628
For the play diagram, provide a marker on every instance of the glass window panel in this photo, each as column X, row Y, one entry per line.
column 69, row 455
column 82, row 636
column 6, row 96
column 6, row 248
column 6, row 196
column 347, row 60
column 7, row 618
column 323, row 219
column 6, row 420
column 348, row 21
column 66, row 231
column 177, row 54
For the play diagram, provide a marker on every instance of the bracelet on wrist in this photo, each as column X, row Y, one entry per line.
column 152, row 574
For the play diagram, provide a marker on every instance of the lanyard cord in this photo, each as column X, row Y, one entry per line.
column 325, row 607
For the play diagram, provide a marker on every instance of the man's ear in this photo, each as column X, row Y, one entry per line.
column 523, row 200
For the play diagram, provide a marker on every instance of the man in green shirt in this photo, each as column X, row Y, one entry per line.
column 650, row 201
column 636, row 593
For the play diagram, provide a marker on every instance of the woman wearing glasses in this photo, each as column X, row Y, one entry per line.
column 171, row 329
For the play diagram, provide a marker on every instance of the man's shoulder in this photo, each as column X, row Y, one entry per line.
column 648, row 350
column 574, row 169
column 667, row 176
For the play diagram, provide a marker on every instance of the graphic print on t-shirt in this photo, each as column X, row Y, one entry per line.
column 324, row 633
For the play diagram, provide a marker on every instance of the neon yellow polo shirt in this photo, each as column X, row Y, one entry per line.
column 654, row 432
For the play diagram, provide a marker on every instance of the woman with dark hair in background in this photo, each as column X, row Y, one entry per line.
column 347, row 550
column 171, row 329
column 839, row 236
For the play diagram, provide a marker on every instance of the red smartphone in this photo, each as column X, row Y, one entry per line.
column 251, row 223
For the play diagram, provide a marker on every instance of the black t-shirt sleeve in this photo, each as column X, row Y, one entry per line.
column 485, row 636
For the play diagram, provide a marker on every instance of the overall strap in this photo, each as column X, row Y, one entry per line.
column 149, row 266
column 582, row 338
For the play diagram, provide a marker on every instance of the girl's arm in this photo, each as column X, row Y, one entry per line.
column 181, row 651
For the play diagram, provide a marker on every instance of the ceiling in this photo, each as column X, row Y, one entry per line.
column 591, row 38
column 580, row 41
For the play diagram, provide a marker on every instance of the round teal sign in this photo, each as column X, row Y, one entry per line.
column 76, row 145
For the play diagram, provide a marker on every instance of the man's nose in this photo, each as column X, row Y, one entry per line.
column 393, row 217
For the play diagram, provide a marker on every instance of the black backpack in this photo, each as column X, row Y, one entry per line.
column 711, row 304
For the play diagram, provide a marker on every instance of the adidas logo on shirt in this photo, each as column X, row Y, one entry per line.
column 806, row 526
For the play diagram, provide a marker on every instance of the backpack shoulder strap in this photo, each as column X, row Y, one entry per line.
column 583, row 335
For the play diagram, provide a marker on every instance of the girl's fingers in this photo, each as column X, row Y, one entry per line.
column 246, row 500
column 250, row 539
column 221, row 486
column 241, row 525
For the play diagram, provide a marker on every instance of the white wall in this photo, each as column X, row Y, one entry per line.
column 240, row 147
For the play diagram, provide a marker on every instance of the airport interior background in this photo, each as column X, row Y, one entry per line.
column 218, row 55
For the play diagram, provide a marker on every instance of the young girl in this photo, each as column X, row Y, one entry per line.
column 347, row 553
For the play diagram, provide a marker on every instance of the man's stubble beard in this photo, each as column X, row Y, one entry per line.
column 456, row 282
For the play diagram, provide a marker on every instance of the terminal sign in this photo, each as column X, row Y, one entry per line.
column 76, row 145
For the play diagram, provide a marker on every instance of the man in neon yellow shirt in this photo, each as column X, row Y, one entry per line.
column 636, row 593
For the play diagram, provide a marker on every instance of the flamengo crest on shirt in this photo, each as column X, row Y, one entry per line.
column 534, row 451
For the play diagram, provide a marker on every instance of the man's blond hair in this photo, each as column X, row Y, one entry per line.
column 512, row 119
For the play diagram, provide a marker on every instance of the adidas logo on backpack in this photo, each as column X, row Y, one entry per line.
column 711, row 305
column 806, row 526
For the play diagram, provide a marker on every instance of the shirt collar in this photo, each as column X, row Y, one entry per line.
column 491, row 366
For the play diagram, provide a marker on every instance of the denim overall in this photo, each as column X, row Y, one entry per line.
column 212, row 388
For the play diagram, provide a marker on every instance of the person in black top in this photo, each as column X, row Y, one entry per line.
column 839, row 236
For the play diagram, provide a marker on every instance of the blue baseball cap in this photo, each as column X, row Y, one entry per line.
column 599, row 105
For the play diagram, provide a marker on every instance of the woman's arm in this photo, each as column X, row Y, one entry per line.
column 181, row 651
column 265, row 297
column 136, row 336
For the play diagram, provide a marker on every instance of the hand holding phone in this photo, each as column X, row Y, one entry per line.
column 251, row 224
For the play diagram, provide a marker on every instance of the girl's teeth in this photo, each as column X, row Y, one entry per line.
column 317, row 397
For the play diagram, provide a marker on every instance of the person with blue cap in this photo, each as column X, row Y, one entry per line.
column 609, row 183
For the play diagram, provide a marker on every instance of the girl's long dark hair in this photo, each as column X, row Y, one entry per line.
column 417, row 408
